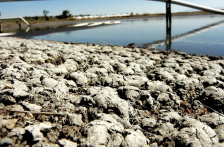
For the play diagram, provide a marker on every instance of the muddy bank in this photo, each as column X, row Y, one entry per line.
column 35, row 28
column 67, row 94
column 39, row 32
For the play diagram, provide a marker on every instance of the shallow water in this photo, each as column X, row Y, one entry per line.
column 144, row 31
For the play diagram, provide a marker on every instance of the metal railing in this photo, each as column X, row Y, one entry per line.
column 17, row 18
column 192, row 5
column 19, row 23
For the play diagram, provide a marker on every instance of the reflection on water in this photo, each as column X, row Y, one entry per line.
column 182, row 36
column 205, row 47
column 152, row 32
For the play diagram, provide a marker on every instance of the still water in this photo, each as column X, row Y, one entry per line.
column 202, row 34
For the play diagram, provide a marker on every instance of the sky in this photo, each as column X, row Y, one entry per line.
column 93, row 7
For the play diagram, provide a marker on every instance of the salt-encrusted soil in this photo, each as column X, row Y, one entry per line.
column 108, row 96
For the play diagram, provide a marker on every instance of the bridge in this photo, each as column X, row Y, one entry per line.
column 191, row 5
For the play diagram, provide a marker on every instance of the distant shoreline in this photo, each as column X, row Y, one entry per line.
column 41, row 20
column 51, row 27
column 55, row 27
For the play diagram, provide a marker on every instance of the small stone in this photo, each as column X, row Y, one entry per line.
column 6, row 141
column 22, row 44
column 49, row 82
column 20, row 89
column 31, row 107
column 11, row 123
column 75, row 119
column 17, row 131
column 135, row 138
column 67, row 143
column 79, row 78
column 8, row 100
column 37, row 129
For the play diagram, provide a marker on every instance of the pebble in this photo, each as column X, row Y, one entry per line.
column 6, row 141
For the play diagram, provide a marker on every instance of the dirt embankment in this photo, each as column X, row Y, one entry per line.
column 63, row 94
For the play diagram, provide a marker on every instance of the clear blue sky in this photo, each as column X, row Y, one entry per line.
column 55, row 7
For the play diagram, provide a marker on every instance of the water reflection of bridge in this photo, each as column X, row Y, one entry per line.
column 187, row 34
column 168, row 40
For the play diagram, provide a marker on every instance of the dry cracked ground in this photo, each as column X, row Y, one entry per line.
column 67, row 94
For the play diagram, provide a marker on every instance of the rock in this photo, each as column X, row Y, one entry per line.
column 15, row 107
column 131, row 95
column 164, row 98
column 97, row 134
column 137, row 69
column 169, row 99
column 136, row 81
column 31, row 107
column 148, row 122
column 135, row 139
column 213, row 97
column 8, row 100
column 75, row 119
column 145, row 94
column 197, row 105
column 6, row 141
column 164, row 129
column 49, row 82
column 116, row 140
column 219, row 145
column 165, row 76
column 153, row 145
column 39, row 73
column 195, row 133
column 114, row 80
column 158, row 86
column 189, row 88
column 87, row 101
column 212, row 119
column 208, row 80
column 128, row 71
column 17, row 132
column 5, row 85
column 67, row 143
column 119, row 66
column 114, row 120
column 61, row 89
column 11, row 123
column 79, row 78
column 105, row 131
column 37, row 129
column 172, row 117
column 20, row 89
column 60, row 70
column 108, row 98
column 220, row 132
column 34, row 82
column 211, row 72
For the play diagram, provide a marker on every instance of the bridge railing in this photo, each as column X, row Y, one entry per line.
column 192, row 5
column 15, row 18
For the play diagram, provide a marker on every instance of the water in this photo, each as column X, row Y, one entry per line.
column 206, row 40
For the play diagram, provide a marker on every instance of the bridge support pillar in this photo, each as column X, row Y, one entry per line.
column 168, row 25
column 0, row 24
column 0, row 27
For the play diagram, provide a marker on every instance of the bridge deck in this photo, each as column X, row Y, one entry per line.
column 195, row 6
